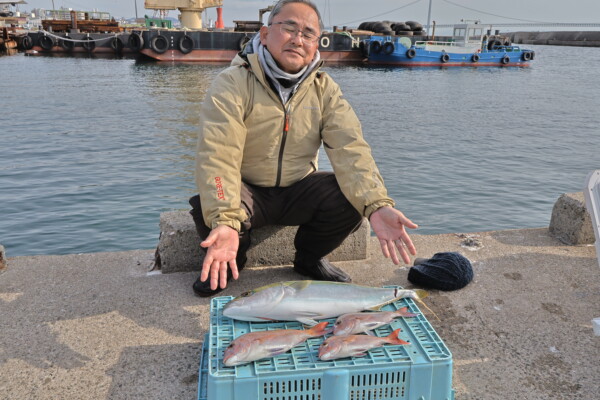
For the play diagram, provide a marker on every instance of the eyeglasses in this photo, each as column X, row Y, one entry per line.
column 308, row 37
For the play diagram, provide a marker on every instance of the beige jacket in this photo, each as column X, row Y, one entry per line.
column 247, row 134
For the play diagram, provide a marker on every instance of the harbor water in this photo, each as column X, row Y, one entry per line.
column 94, row 149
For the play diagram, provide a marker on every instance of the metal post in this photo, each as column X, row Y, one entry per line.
column 136, row 14
column 428, row 17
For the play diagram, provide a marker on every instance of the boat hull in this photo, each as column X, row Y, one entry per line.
column 389, row 52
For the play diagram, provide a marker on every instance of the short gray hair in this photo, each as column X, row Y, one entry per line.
column 277, row 9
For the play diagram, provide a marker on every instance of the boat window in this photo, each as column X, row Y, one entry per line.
column 475, row 34
column 459, row 32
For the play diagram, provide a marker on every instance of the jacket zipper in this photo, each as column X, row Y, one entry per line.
column 286, row 128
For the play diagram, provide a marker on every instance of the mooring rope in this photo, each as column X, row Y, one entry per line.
column 68, row 39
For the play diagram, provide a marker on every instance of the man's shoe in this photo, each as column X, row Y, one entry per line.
column 323, row 270
column 203, row 289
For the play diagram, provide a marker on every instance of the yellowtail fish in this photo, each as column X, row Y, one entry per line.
column 308, row 301
column 257, row 345
column 355, row 345
column 364, row 322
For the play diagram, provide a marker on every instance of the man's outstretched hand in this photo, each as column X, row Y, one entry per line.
column 390, row 226
column 222, row 245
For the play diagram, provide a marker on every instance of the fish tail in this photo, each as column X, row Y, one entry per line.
column 420, row 294
column 393, row 338
column 320, row 329
column 403, row 312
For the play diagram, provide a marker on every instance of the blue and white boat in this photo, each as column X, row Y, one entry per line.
column 469, row 46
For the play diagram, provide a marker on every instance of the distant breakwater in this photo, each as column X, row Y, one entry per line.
column 557, row 38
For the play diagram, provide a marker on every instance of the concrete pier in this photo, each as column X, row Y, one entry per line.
column 102, row 326
column 557, row 38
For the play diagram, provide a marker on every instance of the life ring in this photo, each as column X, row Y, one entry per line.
column 445, row 58
column 375, row 46
column 46, row 42
column 136, row 41
column 388, row 48
column 526, row 56
column 185, row 44
column 475, row 57
column 27, row 42
column 505, row 60
column 88, row 43
column 67, row 44
column 411, row 53
column 159, row 43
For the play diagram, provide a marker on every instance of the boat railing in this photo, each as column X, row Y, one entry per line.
column 425, row 43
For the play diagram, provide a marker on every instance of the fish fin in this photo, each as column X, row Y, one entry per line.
column 320, row 329
column 393, row 338
column 403, row 312
column 370, row 333
column 275, row 351
column 307, row 321
column 360, row 353
column 298, row 285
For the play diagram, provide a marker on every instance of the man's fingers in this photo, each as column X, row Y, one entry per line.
column 223, row 274
column 234, row 269
column 384, row 248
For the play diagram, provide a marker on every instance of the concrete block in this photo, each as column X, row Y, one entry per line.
column 570, row 222
column 2, row 258
column 179, row 244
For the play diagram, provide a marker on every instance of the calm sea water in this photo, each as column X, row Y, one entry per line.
column 93, row 150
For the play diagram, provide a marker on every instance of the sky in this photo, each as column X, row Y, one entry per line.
column 352, row 12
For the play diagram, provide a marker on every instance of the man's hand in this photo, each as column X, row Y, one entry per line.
column 390, row 226
column 222, row 243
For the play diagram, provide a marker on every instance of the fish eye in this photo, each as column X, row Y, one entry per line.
column 338, row 322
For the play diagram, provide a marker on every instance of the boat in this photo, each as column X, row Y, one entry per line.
column 471, row 45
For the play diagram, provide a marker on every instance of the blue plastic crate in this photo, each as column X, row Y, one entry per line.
column 421, row 370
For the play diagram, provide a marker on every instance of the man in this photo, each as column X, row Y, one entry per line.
column 262, row 124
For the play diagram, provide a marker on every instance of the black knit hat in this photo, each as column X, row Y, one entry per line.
column 443, row 271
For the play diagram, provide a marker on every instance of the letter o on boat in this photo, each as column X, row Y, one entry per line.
column 411, row 53
column 505, row 60
column 445, row 58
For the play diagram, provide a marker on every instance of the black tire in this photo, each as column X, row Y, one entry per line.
column 117, row 45
column 505, row 60
column 375, row 47
column 532, row 55
column 526, row 56
column 415, row 26
column 136, row 41
column 388, row 48
column 475, row 58
column 445, row 58
column 46, row 42
column 67, row 44
column 404, row 33
column 186, row 44
column 243, row 42
column 26, row 42
column 401, row 26
column 89, row 44
column 159, row 44
column 411, row 53
column 493, row 44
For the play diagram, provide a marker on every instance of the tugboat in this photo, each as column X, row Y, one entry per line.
column 469, row 46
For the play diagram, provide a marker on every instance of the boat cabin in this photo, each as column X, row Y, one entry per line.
column 465, row 34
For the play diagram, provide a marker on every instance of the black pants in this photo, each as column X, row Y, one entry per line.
column 315, row 204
